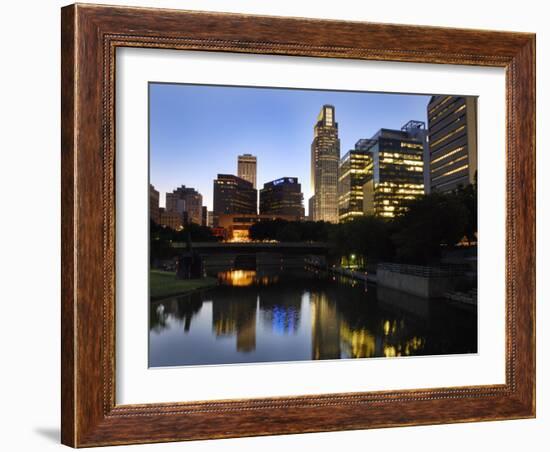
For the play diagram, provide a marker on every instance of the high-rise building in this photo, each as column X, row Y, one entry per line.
column 154, row 197
column 233, row 195
column 325, row 157
column 452, row 125
column 282, row 197
column 395, row 171
column 353, row 171
column 417, row 129
column 246, row 168
column 187, row 202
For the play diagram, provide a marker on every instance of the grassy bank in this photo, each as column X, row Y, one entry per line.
column 164, row 284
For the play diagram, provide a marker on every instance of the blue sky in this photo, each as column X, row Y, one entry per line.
column 197, row 131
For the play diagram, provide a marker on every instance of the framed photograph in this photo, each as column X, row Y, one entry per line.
column 281, row 225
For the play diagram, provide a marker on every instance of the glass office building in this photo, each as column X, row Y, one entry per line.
column 452, row 123
column 355, row 167
column 325, row 158
column 282, row 197
column 396, row 171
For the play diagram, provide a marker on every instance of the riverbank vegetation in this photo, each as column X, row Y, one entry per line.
column 164, row 284
column 429, row 225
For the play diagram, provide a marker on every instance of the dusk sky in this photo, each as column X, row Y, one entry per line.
column 198, row 131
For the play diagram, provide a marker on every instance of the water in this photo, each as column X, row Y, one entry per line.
column 274, row 316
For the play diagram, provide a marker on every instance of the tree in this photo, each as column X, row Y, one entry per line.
column 197, row 233
column 367, row 236
column 430, row 222
column 468, row 197
column 290, row 231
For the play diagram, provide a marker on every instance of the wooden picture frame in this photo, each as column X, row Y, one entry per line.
column 90, row 36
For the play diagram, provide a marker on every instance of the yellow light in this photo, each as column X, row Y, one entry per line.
column 238, row 278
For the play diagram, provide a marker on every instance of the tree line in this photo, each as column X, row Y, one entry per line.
column 428, row 225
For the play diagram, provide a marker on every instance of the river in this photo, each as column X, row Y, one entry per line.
column 272, row 316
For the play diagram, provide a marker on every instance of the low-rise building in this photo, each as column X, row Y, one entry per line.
column 170, row 219
column 237, row 226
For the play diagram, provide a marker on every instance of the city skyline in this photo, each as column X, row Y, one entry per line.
column 249, row 120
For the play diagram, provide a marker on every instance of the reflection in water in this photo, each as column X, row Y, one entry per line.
column 359, row 343
column 179, row 310
column 244, row 278
column 259, row 316
column 236, row 316
column 280, row 309
column 325, row 335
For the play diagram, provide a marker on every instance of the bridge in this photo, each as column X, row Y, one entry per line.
column 286, row 248
column 223, row 255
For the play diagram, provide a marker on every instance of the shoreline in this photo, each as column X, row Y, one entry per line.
column 164, row 285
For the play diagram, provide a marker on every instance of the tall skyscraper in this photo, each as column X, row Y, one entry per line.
column 282, row 197
column 187, row 202
column 246, row 168
column 325, row 157
column 233, row 195
column 395, row 171
column 354, row 169
column 452, row 124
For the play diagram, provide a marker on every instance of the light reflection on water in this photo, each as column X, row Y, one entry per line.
column 262, row 316
column 244, row 278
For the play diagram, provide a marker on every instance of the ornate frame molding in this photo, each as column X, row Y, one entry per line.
column 90, row 37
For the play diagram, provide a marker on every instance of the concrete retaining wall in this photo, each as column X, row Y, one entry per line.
column 422, row 286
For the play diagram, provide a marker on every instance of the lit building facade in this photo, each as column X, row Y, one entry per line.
column 187, row 202
column 395, row 173
column 282, row 197
column 236, row 227
column 452, row 124
column 325, row 158
column 354, row 169
column 246, row 168
column 233, row 195
column 154, row 197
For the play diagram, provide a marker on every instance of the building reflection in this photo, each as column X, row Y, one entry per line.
column 408, row 347
column 181, row 309
column 357, row 343
column 236, row 316
column 280, row 310
column 237, row 278
column 325, row 327
column 246, row 278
